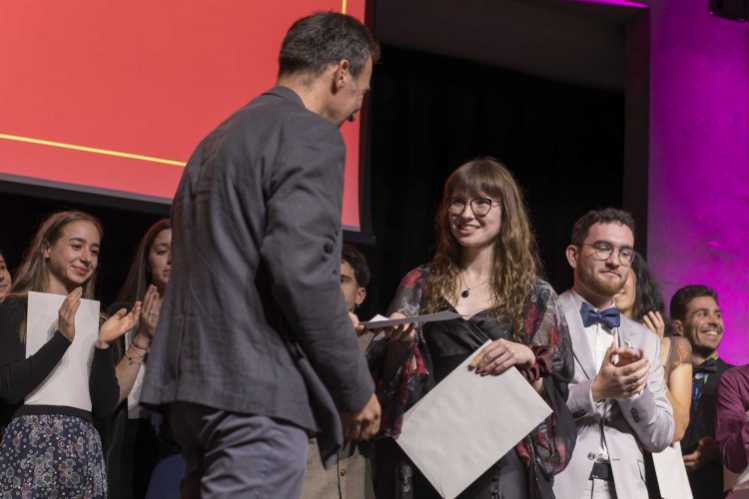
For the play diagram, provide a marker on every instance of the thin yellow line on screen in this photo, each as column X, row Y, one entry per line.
column 343, row 6
column 93, row 150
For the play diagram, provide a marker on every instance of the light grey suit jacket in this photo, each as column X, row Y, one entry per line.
column 631, row 426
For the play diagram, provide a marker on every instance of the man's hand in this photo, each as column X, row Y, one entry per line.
column 707, row 451
column 365, row 423
column 614, row 382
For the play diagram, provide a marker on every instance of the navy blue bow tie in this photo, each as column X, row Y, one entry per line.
column 609, row 317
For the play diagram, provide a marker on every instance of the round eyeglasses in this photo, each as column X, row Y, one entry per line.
column 602, row 250
column 479, row 206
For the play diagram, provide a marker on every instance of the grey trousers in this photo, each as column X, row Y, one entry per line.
column 231, row 455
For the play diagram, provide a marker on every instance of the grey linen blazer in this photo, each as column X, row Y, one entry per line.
column 644, row 423
column 253, row 320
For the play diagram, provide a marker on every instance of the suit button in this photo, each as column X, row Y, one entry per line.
column 328, row 248
column 635, row 415
column 343, row 472
column 591, row 456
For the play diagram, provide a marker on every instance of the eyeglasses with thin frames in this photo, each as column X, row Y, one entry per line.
column 602, row 250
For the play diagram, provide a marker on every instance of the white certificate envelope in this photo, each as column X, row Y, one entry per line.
column 67, row 384
column 466, row 423
column 673, row 482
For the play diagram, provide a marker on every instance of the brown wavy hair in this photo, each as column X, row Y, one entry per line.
column 516, row 263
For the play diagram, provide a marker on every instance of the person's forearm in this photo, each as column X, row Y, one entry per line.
column 681, row 416
column 128, row 367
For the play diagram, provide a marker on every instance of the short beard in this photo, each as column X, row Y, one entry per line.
column 602, row 289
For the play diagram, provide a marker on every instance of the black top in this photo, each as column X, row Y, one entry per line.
column 706, row 482
column 20, row 376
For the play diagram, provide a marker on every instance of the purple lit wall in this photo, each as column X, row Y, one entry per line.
column 698, row 213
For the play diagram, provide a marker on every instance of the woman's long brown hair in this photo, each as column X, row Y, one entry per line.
column 516, row 264
column 33, row 272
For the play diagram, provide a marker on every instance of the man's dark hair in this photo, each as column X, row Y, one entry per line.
column 606, row 216
column 680, row 300
column 314, row 42
column 353, row 257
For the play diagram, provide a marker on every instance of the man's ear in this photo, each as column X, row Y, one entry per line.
column 572, row 252
column 361, row 295
column 341, row 74
column 678, row 327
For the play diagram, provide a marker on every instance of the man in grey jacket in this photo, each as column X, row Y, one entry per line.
column 618, row 394
column 255, row 348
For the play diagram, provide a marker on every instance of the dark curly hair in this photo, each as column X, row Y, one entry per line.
column 647, row 292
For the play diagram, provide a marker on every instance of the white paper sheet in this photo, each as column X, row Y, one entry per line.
column 467, row 423
column 671, row 473
column 67, row 384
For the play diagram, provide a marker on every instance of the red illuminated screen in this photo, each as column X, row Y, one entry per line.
column 114, row 96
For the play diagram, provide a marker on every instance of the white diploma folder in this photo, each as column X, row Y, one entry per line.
column 466, row 423
column 673, row 482
column 67, row 384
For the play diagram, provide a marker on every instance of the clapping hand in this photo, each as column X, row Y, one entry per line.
column 66, row 315
column 618, row 381
column 149, row 316
column 707, row 451
column 653, row 320
column 117, row 325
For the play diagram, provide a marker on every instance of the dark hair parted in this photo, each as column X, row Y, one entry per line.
column 139, row 276
column 32, row 273
column 317, row 41
column 516, row 263
column 647, row 293
column 606, row 216
column 354, row 257
column 682, row 297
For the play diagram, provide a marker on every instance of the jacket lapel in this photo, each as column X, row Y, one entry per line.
column 580, row 347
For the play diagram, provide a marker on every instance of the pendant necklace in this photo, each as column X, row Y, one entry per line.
column 467, row 292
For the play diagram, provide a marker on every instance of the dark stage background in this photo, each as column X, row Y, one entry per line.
column 429, row 114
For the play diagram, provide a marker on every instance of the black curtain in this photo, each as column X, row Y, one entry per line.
column 124, row 226
column 429, row 114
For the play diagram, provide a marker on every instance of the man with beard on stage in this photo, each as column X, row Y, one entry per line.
column 618, row 395
column 255, row 348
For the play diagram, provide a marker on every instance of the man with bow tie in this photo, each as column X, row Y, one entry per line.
column 618, row 394
column 695, row 315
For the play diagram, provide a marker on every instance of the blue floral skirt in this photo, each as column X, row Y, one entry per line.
column 51, row 456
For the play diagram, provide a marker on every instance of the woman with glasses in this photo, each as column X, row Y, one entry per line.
column 486, row 268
